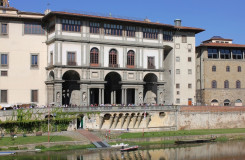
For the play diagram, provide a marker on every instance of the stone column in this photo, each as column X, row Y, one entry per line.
column 122, row 101
column 88, row 101
column 136, row 97
column 100, row 96
column 112, row 97
column 125, row 96
column 103, row 92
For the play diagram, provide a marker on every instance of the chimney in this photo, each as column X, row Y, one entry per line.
column 177, row 22
column 47, row 11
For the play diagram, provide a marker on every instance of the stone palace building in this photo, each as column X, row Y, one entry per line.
column 78, row 59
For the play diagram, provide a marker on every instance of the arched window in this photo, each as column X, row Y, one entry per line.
column 130, row 58
column 214, row 84
column 214, row 68
column 238, row 84
column 226, row 102
column 226, row 84
column 113, row 58
column 214, row 102
column 238, row 102
column 239, row 69
column 227, row 68
column 94, row 57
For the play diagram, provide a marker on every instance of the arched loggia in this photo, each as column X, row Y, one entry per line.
column 112, row 88
column 150, row 88
column 70, row 88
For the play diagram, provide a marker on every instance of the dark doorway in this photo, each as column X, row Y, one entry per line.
column 70, row 88
column 112, row 88
column 131, row 96
column 94, row 96
column 80, row 122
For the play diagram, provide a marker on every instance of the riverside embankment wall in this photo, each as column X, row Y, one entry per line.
column 210, row 117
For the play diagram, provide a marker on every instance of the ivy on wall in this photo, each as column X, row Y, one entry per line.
column 25, row 121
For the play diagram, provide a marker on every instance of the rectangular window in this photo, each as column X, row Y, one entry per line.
column 237, row 54
column 34, row 95
column 177, row 59
column 4, row 73
column 189, row 59
column 130, row 31
column 32, row 28
column 225, row 54
column 113, row 29
column 94, row 27
column 189, row 85
column 177, row 71
column 184, row 39
column 71, row 25
column 178, row 92
column 4, row 28
column 4, row 96
column 167, row 35
column 189, row 71
column 178, row 101
column 213, row 53
column 71, row 59
column 151, row 62
column 150, row 33
column 177, row 85
column 34, row 60
column 4, row 60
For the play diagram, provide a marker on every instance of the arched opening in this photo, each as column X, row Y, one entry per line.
column 214, row 102
column 71, row 88
column 150, row 88
column 227, row 102
column 112, row 88
column 238, row 102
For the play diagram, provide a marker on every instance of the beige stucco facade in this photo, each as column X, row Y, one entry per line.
column 54, row 80
column 21, row 77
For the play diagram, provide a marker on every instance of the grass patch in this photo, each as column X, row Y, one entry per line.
column 8, row 141
column 68, row 147
column 181, row 133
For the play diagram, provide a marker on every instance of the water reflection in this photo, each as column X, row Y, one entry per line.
column 213, row 151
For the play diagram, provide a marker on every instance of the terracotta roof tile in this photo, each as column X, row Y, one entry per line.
column 196, row 30
column 223, row 45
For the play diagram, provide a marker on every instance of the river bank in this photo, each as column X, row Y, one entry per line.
column 76, row 144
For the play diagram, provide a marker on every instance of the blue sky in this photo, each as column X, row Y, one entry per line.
column 223, row 18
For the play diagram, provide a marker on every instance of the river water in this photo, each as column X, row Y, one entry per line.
column 234, row 150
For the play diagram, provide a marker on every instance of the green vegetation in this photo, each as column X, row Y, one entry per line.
column 28, row 122
column 8, row 141
column 67, row 147
column 181, row 133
